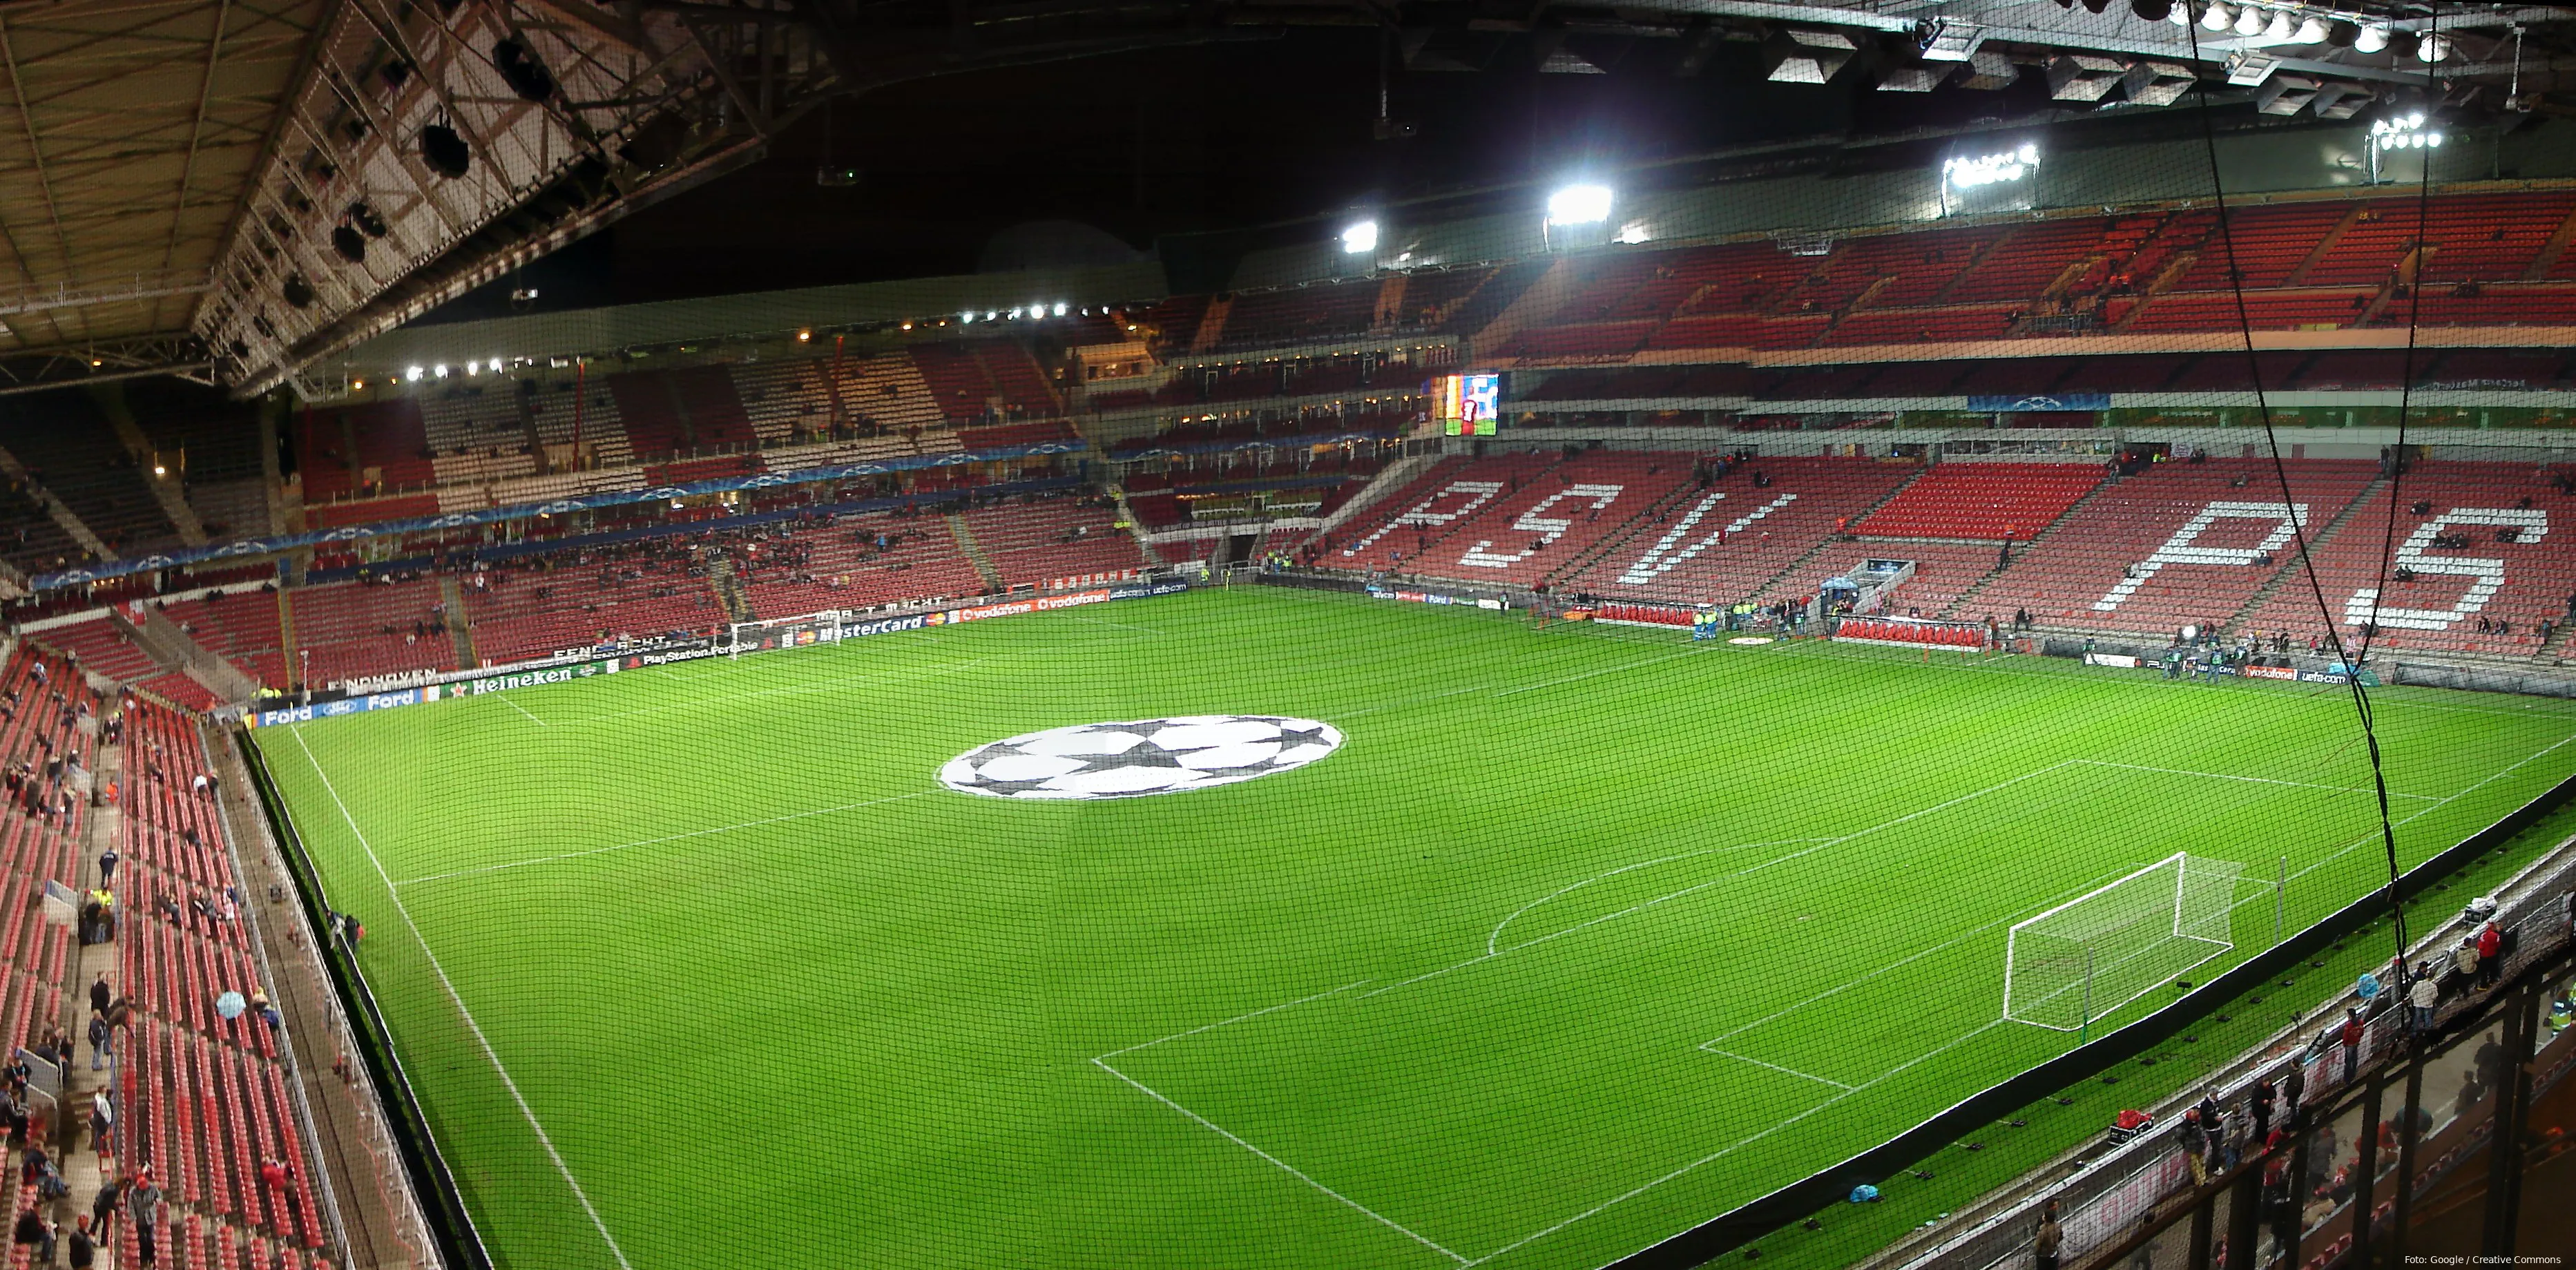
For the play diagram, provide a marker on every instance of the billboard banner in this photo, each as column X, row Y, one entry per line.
column 797, row 633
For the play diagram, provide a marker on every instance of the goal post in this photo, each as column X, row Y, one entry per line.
column 2109, row 946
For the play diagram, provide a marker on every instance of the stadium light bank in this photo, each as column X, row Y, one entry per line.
column 1575, row 205
column 1961, row 173
column 2403, row 132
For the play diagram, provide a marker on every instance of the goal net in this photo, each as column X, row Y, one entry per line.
column 2101, row 950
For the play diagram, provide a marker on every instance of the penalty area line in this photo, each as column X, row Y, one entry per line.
column 1785, row 1071
column 458, row 1000
column 1739, row 1144
column 1283, row 1166
column 2258, row 780
column 523, row 711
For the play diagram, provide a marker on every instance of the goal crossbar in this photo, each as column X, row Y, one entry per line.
column 2087, row 957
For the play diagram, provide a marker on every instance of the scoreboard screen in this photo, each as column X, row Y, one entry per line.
column 1467, row 405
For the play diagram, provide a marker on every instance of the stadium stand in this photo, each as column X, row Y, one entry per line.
column 1983, row 500
column 1943, row 571
column 241, row 627
column 535, row 605
column 204, row 1097
column 2067, row 578
column 839, row 564
column 2470, row 553
column 1547, row 522
column 1679, row 555
column 1043, row 540
column 70, row 448
column 1293, row 315
column 371, row 628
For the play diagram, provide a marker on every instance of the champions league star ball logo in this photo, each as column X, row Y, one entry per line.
column 1149, row 756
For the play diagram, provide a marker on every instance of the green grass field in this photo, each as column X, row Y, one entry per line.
column 1583, row 936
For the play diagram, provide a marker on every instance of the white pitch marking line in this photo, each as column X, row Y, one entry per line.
column 523, row 711
column 1204, row 1027
column 2259, row 780
column 1821, row 844
column 391, row 893
column 1786, row 1071
column 1284, row 1166
column 1738, row 1144
column 676, row 837
column 1490, row 940
column 1411, row 701
column 2357, row 843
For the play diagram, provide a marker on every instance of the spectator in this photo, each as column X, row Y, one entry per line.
column 2490, row 956
column 2195, row 1144
column 2420, row 1000
column 102, row 1130
column 107, row 866
column 35, row 1232
column 2258, row 1101
column 100, row 995
column 84, row 1251
column 2464, row 963
column 2049, row 1238
column 109, row 1202
column 2353, row 1035
column 102, row 1040
column 2293, row 1084
column 143, row 1206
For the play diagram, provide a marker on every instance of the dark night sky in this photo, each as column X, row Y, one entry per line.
column 1195, row 139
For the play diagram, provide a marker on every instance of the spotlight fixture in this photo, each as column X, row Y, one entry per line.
column 2217, row 17
column 2371, row 40
column 297, row 291
column 352, row 245
column 2282, row 30
column 2432, row 48
column 2180, row 14
column 2312, row 31
column 521, row 70
column 445, row 151
column 1579, row 205
column 2249, row 21
column 1360, row 239
column 2151, row 10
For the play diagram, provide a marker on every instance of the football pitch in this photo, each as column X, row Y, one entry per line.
column 1581, row 936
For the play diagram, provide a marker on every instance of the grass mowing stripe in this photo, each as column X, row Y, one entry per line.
column 468, row 1015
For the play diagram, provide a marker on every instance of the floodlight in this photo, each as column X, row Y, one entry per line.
column 2312, row 31
column 966, row 317
column 2179, row 15
column 1059, row 308
column 157, row 468
column 803, row 336
column 1361, row 238
column 411, row 375
column 1579, row 205
column 2371, row 40
column 439, row 370
column 2216, row 17
column 2432, row 48
column 2152, row 10
column 2249, row 21
column 2282, row 30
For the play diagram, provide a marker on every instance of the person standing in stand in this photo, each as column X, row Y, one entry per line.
column 2050, row 1237
column 2292, row 1086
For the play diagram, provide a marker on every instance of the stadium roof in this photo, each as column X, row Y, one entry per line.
column 237, row 188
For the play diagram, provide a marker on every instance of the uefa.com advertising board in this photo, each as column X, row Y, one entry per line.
column 791, row 633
